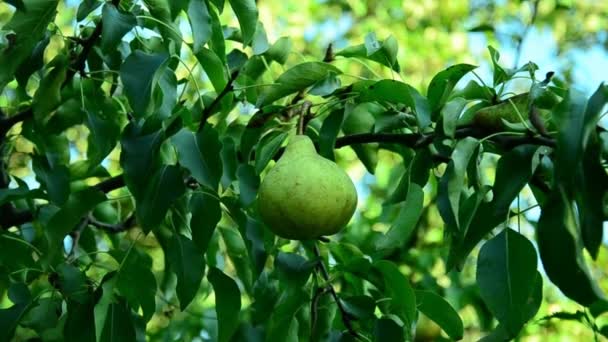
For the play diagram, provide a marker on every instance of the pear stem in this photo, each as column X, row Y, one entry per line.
column 346, row 318
column 304, row 112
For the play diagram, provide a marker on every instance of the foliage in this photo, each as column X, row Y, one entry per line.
column 132, row 152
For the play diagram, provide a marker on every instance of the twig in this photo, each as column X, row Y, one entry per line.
column 520, row 41
column 304, row 112
column 346, row 318
column 112, row 228
column 208, row 111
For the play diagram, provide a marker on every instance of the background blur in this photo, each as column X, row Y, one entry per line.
column 567, row 37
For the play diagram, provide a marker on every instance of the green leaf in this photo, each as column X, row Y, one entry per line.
column 217, row 43
column 295, row 79
column 103, row 136
column 48, row 95
column 227, row 303
column 139, row 157
column 165, row 94
column 29, row 27
column 500, row 74
column 229, row 162
column 118, row 325
column 441, row 312
column 442, row 84
column 259, row 44
column 453, row 181
column 360, row 307
column 450, row 114
column 293, row 269
column 86, row 7
column 247, row 14
column 78, row 205
column 249, row 182
column 326, row 86
column 200, row 22
column 80, row 322
column 206, row 214
column 200, row 154
column 44, row 315
column 115, row 25
column 279, row 51
column 396, row 287
column 138, row 75
column 387, row 329
column 19, row 294
column 361, row 119
column 267, row 148
column 283, row 316
column 237, row 252
column 189, row 267
column 214, row 68
column 56, row 179
column 507, row 279
column 560, row 250
column 405, row 223
column 136, row 281
column 329, row 131
column 385, row 53
column 164, row 188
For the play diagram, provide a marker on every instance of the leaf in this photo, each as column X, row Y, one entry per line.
column 165, row 95
column 450, row 114
column 42, row 316
column 325, row 86
column 227, row 303
column 115, row 25
column 65, row 220
column 229, row 162
column 86, row 7
column 267, row 148
column 247, row 14
column 200, row 154
column 48, row 95
column 80, row 321
column 507, row 277
column 279, row 51
column 139, row 157
column 164, row 188
column 329, row 132
column 72, row 283
column 500, row 74
column 294, row 270
column 29, row 27
column 560, row 250
column 118, row 325
column 453, row 181
column 407, row 220
column 442, row 84
column 384, row 53
column 189, row 267
column 138, row 77
column 200, row 23
column 441, row 312
column 236, row 250
column 217, row 43
column 295, row 79
column 103, row 135
column 360, row 307
column 214, row 68
column 387, row 329
column 56, row 179
column 10, row 317
column 249, row 182
column 206, row 214
column 136, row 281
column 282, row 318
column 396, row 287
column 259, row 44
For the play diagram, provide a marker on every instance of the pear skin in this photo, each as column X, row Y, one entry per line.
column 305, row 196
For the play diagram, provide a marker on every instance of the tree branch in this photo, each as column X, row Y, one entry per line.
column 113, row 228
column 346, row 318
column 208, row 111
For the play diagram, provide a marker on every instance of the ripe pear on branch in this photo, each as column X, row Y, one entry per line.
column 305, row 196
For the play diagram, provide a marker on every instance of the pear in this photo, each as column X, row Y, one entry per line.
column 305, row 196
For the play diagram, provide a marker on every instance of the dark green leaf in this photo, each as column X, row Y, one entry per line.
column 329, row 132
column 44, row 315
column 227, row 303
column 500, row 74
column 10, row 317
column 249, row 182
column 360, row 307
column 247, row 14
column 237, row 252
column 295, row 79
column 136, row 281
column 200, row 153
column 293, row 269
column 398, row 92
column 206, row 213
column 48, row 95
column 200, row 22
column 405, row 223
column 387, row 329
column 507, row 277
column 189, row 267
column 86, row 7
column 259, row 44
column 442, row 84
column 279, row 51
column 56, row 179
column 139, row 157
column 80, row 322
column 115, row 25
column 441, row 312
column 229, row 162
column 450, row 114
column 214, row 68
column 118, row 325
column 104, row 133
column 325, row 86
column 384, row 53
column 29, row 27
column 282, row 318
column 267, row 148
column 396, row 287
column 560, row 250
column 138, row 75
column 163, row 189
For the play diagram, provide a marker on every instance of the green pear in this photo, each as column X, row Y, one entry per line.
column 305, row 196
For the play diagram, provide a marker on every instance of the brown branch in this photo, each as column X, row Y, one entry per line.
column 208, row 111
column 346, row 317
